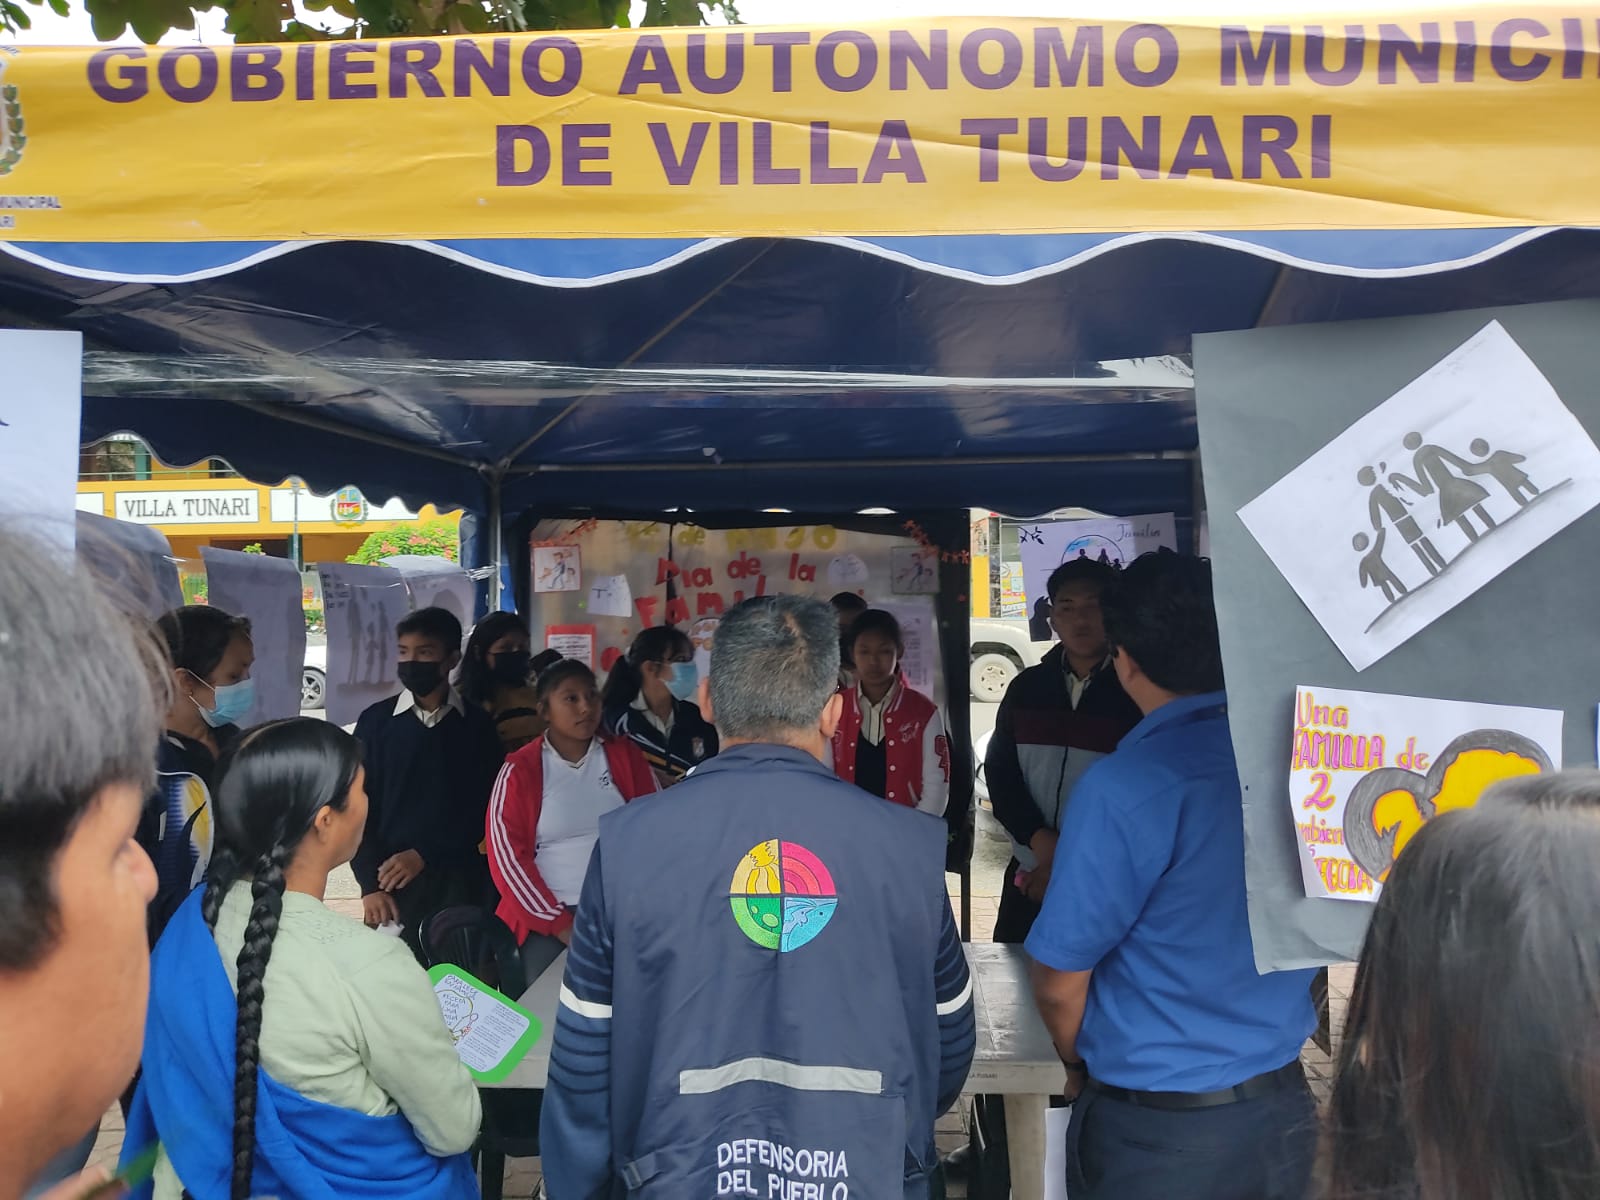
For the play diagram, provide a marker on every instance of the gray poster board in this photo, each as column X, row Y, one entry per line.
column 1267, row 400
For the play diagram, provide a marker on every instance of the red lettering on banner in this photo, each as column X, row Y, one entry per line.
column 677, row 610
column 746, row 566
column 708, row 604
column 647, row 609
column 804, row 572
column 666, row 569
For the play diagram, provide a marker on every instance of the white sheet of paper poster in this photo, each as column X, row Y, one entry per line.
column 920, row 631
column 361, row 606
column 557, row 569
column 847, row 571
column 1056, row 1123
column 133, row 562
column 41, row 399
column 703, row 633
column 1045, row 545
column 610, row 596
column 1428, row 497
column 1367, row 771
column 438, row 583
column 914, row 570
column 572, row 641
column 267, row 591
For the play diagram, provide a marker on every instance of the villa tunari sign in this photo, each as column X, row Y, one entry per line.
column 1438, row 118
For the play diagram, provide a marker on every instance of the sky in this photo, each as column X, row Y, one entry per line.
column 50, row 29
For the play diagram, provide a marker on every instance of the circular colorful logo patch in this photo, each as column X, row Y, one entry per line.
column 782, row 895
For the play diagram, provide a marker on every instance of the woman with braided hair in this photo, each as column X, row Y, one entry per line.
column 290, row 1051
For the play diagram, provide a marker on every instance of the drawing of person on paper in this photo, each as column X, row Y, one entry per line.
column 1383, row 503
column 1457, row 495
column 459, row 1016
column 353, row 673
column 1501, row 466
column 374, row 673
column 1374, row 572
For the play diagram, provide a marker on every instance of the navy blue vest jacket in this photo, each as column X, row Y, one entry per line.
column 765, row 994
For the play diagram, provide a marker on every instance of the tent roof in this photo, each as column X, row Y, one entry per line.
column 608, row 372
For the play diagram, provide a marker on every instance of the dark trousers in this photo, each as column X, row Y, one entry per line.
column 1259, row 1149
column 437, row 888
column 1017, row 913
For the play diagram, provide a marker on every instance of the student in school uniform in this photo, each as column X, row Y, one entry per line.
column 891, row 738
column 544, row 817
column 212, row 691
column 650, row 698
column 431, row 760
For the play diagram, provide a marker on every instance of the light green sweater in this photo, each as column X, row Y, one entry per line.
column 350, row 1019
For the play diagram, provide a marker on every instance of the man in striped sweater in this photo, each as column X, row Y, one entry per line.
column 765, row 993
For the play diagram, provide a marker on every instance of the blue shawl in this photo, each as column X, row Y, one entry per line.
column 305, row 1149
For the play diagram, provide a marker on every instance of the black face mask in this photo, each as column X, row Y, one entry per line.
column 421, row 678
column 511, row 667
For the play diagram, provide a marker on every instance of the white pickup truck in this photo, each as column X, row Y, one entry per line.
column 1000, row 651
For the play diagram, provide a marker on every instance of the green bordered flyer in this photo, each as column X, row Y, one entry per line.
column 492, row 1032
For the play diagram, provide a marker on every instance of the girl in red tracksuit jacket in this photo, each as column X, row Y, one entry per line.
column 891, row 738
column 544, row 813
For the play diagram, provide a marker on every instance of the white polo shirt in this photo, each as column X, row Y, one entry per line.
column 576, row 796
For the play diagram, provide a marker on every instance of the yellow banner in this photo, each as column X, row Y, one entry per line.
column 1477, row 116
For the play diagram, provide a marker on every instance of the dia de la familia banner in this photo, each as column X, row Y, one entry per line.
column 1450, row 117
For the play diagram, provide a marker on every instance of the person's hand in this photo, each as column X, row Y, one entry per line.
column 400, row 870
column 1034, row 885
column 379, row 908
column 1043, row 845
column 1077, row 1077
column 94, row 1182
column 565, row 935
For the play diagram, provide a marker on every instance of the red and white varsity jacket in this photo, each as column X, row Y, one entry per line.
column 916, row 748
column 527, row 905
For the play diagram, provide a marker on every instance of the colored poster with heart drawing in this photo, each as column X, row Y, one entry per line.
column 1368, row 771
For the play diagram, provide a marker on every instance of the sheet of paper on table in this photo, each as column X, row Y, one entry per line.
column 1056, row 1121
column 492, row 1032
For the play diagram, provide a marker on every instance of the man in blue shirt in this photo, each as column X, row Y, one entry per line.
column 1184, row 1060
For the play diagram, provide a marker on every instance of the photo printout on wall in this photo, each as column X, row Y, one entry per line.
column 1428, row 497
column 1367, row 771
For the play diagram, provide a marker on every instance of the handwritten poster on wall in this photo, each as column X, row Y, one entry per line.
column 361, row 607
column 1368, row 771
column 1428, row 497
column 268, row 591
column 41, row 398
column 688, row 576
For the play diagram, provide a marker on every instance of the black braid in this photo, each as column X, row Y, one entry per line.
column 221, row 875
column 267, row 892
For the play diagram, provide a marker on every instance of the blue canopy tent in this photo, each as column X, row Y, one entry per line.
column 802, row 374
column 1015, row 373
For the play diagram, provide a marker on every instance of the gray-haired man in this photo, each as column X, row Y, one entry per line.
column 765, row 994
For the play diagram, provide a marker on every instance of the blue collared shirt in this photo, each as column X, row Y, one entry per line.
column 1148, row 892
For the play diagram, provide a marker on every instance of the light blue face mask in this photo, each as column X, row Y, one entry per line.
column 233, row 703
column 684, row 682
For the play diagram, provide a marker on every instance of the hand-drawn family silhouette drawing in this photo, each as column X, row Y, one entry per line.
column 1447, row 478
